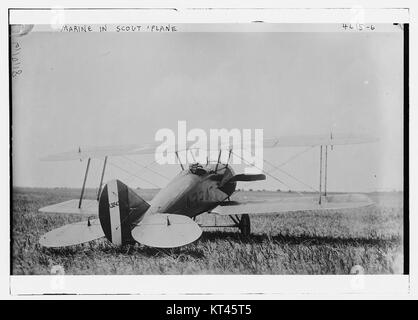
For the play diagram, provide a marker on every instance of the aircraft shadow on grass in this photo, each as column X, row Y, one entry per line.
column 197, row 249
column 296, row 240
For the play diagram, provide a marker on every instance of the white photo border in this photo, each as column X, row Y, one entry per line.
column 201, row 286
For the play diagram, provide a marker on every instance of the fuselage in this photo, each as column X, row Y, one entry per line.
column 195, row 190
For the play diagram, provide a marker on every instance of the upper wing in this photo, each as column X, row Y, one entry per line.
column 88, row 207
column 317, row 140
column 291, row 204
column 151, row 148
column 101, row 152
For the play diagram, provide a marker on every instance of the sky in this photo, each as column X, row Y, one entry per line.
column 98, row 89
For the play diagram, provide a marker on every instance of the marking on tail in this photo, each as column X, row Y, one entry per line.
column 114, row 211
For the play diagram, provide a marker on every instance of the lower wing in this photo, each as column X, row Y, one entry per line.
column 291, row 204
column 87, row 207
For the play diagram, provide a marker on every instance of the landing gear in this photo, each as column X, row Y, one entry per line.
column 242, row 222
column 245, row 225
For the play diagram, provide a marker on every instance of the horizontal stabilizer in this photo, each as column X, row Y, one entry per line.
column 242, row 177
column 163, row 230
column 247, row 177
column 88, row 207
column 292, row 204
column 72, row 234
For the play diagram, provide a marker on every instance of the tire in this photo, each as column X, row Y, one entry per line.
column 245, row 225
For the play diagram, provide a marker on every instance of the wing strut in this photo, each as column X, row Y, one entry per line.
column 320, row 174
column 191, row 152
column 229, row 157
column 219, row 158
column 321, row 166
column 178, row 158
column 101, row 178
column 326, row 169
column 84, row 183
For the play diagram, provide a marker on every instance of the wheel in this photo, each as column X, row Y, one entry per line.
column 245, row 225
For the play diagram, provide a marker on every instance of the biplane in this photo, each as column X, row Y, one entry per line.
column 168, row 220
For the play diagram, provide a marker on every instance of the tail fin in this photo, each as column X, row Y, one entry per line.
column 120, row 208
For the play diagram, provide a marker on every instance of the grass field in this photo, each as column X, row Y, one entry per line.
column 293, row 243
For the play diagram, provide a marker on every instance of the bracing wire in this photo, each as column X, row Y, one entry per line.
column 289, row 175
column 294, row 157
column 143, row 167
column 277, row 167
column 267, row 173
column 134, row 175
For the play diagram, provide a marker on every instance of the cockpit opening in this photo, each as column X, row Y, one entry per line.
column 197, row 168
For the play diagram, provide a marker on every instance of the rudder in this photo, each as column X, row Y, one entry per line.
column 120, row 209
